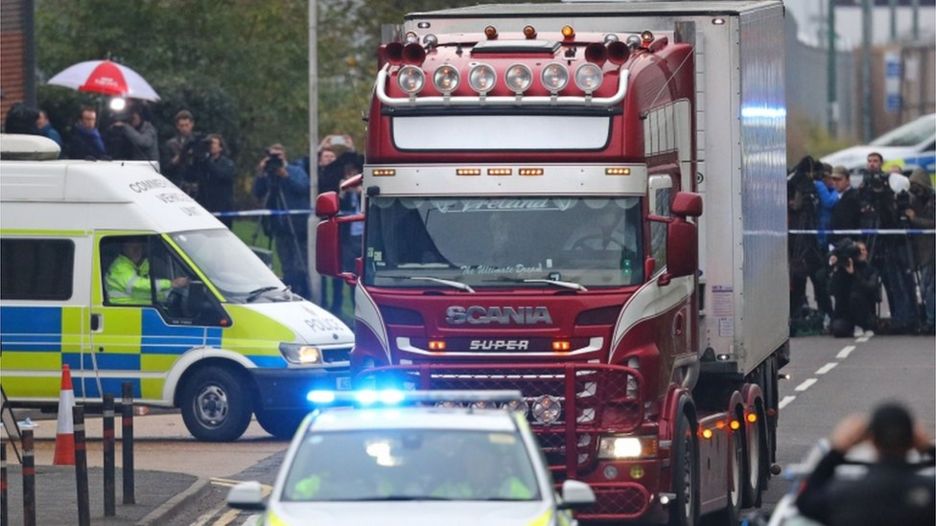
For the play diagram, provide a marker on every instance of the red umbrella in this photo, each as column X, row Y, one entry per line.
column 107, row 78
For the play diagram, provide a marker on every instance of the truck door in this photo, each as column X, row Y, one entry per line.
column 140, row 315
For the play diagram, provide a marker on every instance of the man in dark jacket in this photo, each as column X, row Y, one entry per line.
column 85, row 141
column 846, row 213
column 140, row 136
column 891, row 492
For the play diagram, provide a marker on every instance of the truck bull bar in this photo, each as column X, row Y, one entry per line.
column 604, row 399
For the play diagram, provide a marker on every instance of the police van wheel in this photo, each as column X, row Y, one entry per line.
column 280, row 424
column 216, row 405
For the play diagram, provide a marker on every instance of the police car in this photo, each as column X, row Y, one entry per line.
column 458, row 458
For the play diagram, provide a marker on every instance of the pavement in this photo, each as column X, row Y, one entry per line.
column 173, row 470
column 158, row 494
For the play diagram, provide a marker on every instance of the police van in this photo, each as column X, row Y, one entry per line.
column 111, row 269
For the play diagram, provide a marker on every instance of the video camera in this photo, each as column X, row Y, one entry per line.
column 274, row 161
column 844, row 251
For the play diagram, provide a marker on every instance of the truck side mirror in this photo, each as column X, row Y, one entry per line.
column 326, row 205
column 682, row 248
column 687, row 204
column 327, row 246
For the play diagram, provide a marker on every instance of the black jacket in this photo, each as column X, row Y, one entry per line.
column 891, row 493
column 216, row 183
column 846, row 214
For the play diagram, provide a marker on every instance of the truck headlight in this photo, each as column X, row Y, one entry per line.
column 621, row 447
column 301, row 354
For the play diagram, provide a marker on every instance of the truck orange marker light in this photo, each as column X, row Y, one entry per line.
column 436, row 345
column 531, row 171
column 500, row 171
column 467, row 171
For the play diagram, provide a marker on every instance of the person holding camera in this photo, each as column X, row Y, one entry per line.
column 891, row 253
column 214, row 174
column 140, row 136
column 922, row 214
column 284, row 186
column 854, row 284
column 177, row 158
column 893, row 491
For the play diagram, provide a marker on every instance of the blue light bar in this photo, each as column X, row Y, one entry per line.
column 368, row 397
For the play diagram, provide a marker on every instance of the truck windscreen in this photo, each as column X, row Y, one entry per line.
column 500, row 242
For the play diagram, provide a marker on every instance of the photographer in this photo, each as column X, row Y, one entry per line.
column 854, row 285
column 922, row 214
column 214, row 174
column 177, row 154
column 879, row 210
column 284, row 186
column 806, row 255
column 140, row 136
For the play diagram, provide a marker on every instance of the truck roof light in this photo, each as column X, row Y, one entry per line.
column 490, row 32
column 411, row 79
column 383, row 172
column 445, row 79
column 618, row 52
column 610, row 37
column 467, row 171
column 529, row 32
column 393, row 52
column 632, row 41
column 617, row 171
column 500, row 171
column 482, row 78
column 568, row 32
column 411, row 37
column 530, row 171
column 555, row 77
column 431, row 40
column 588, row 77
column 596, row 53
column 646, row 38
column 519, row 78
column 414, row 53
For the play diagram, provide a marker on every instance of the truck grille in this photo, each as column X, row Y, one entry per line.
column 603, row 398
column 626, row 500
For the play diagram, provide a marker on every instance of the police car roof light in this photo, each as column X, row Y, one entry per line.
column 369, row 397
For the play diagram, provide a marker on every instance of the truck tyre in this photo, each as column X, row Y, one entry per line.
column 755, row 459
column 216, row 405
column 684, row 511
column 280, row 424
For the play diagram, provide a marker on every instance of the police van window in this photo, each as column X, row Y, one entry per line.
column 139, row 270
column 36, row 269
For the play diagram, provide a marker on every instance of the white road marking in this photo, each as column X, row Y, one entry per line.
column 845, row 352
column 826, row 368
column 786, row 401
column 227, row 518
column 806, row 384
column 864, row 339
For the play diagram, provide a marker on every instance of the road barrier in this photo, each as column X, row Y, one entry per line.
column 107, row 439
column 29, row 479
column 81, row 468
column 126, row 423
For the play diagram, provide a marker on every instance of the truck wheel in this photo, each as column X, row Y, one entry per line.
column 729, row 515
column 755, row 454
column 280, row 424
column 684, row 511
column 215, row 405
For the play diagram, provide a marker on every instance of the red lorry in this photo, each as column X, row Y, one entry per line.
column 533, row 200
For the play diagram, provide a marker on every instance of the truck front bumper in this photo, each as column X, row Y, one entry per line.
column 286, row 389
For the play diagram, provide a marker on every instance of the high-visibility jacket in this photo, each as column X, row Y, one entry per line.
column 509, row 488
column 129, row 284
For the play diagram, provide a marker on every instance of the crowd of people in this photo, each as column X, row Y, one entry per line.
column 885, row 249
column 201, row 165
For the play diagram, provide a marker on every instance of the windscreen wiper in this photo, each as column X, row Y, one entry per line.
column 454, row 284
column 254, row 294
column 564, row 284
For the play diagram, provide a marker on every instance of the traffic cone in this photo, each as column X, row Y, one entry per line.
column 65, row 431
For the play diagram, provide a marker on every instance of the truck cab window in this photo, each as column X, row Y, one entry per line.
column 659, row 206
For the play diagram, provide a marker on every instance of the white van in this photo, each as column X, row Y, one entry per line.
column 111, row 269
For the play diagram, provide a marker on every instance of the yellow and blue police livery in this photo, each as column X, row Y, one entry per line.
column 109, row 268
